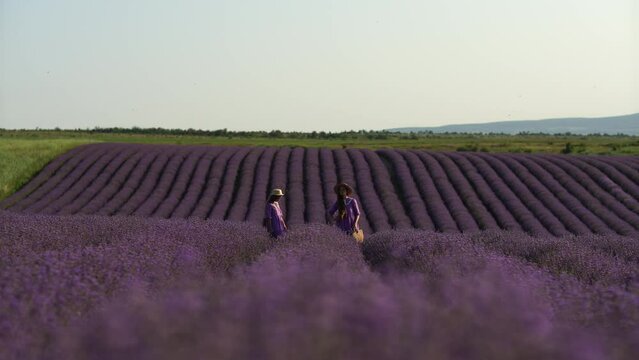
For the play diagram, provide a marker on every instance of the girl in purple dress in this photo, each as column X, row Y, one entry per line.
column 345, row 211
column 273, row 217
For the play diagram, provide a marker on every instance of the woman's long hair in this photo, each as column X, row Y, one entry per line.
column 341, row 205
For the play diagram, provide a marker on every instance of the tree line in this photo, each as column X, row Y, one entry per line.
column 327, row 135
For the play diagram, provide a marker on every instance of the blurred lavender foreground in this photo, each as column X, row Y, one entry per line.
column 91, row 287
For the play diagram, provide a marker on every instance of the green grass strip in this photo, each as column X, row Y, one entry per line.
column 21, row 160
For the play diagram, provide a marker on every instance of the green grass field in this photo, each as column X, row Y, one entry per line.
column 22, row 159
column 24, row 153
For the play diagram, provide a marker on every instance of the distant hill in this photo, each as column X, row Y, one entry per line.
column 625, row 124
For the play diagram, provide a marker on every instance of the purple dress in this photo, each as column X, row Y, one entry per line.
column 273, row 214
column 348, row 221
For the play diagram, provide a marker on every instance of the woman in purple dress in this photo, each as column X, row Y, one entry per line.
column 273, row 217
column 345, row 211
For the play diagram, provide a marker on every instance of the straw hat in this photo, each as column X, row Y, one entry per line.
column 277, row 192
column 349, row 190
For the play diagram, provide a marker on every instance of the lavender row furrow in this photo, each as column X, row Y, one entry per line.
column 295, row 196
column 612, row 180
column 240, row 203
column 114, row 185
column 408, row 190
column 376, row 211
column 572, row 203
column 260, row 186
column 585, row 197
column 181, row 184
column 212, row 185
column 230, row 178
column 459, row 212
column 278, row 177
column 69, row 179
column 622, row 160
column 545, row 196
column 438, row 217
column 163, row 184
column 144, row 188
column 314, row 197
column 196, row 184
column 98, row 169
column 498, row 210
column 130, row 184
column 473, row 203
column 396, row 210
column 632, row 174
column 630, row 161
column 608, row 201
column 328, row 174
column 545, row 216
column 100, row 183
column 509, row 199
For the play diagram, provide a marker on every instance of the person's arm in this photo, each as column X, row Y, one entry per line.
column 330, row 212
column 356, row 213
column 268, row 216
column 283, row 221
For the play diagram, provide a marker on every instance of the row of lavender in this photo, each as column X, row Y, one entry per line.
column 398, row 189
column 95, row 287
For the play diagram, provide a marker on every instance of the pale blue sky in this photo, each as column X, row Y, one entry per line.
column 314, row 65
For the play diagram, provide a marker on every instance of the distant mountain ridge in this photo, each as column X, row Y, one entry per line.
column 624, row 124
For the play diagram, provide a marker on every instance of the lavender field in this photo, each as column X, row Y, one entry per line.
column 95, row 287
column 467, row 256
column 546, row 195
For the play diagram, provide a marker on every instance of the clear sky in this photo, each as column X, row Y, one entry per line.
column 314, row 65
